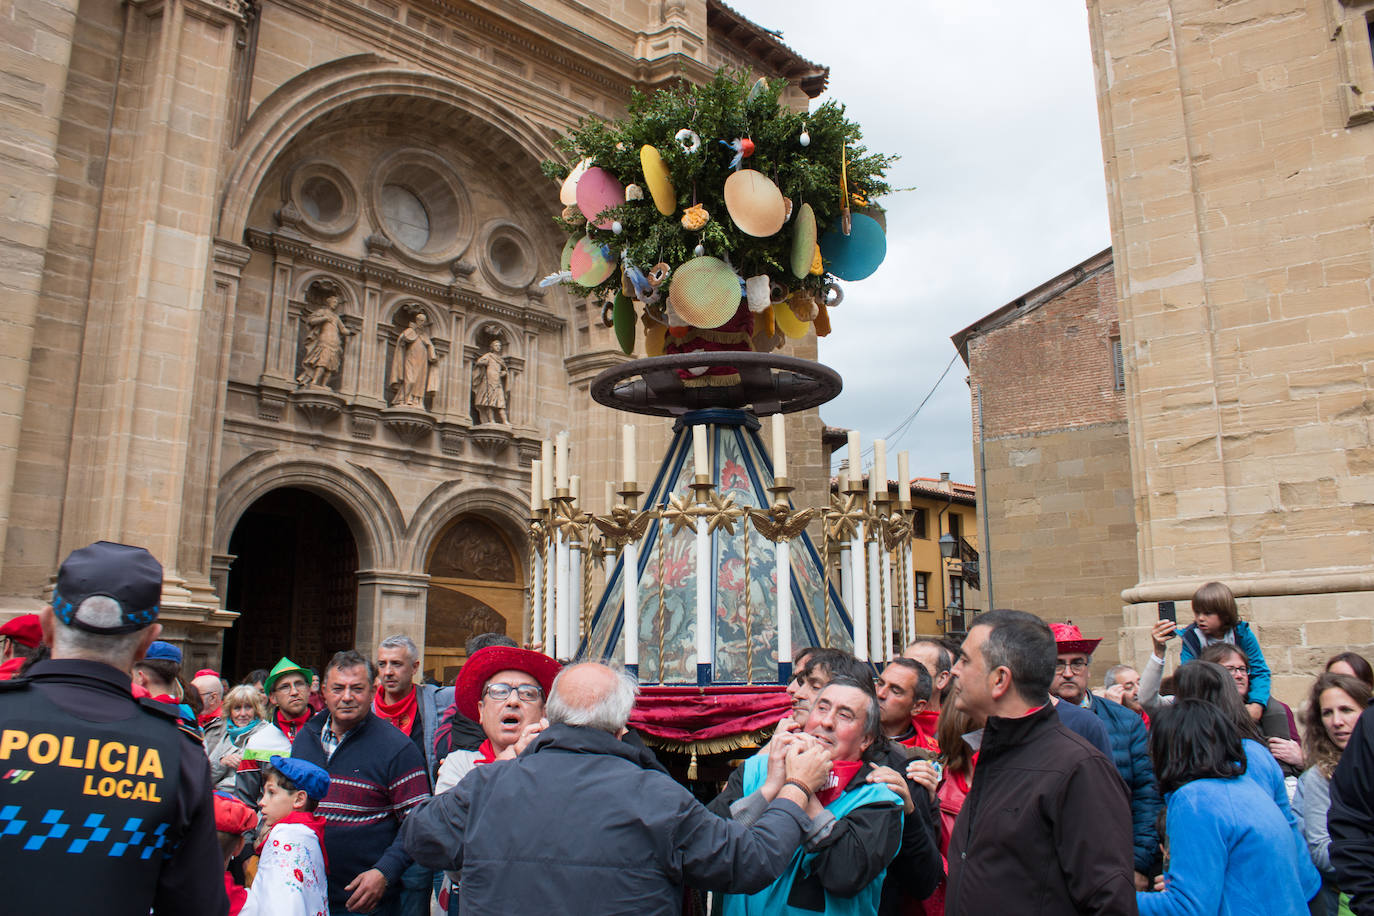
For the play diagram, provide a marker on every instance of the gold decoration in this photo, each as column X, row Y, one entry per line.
column 623, row 525
column 680, row 514
column 780, row 523
column 695, row 217
column 720, row 513
column 845, row 515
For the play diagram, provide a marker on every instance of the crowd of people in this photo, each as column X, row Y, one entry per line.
column 991, row 775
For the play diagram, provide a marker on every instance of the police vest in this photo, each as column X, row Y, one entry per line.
column 87, row 809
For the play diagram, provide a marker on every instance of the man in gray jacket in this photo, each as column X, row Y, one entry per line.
column 583, row 822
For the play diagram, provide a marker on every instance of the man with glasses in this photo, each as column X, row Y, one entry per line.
column 1130, row 745
column 503, row 689
column 377, row 777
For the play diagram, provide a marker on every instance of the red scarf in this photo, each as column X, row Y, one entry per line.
column 926, row 724
column 205, row 718
column 841, row 774
column 401, row 713
column 291, row 727
column 486, row 753
column 313, row 821
column 238, row 895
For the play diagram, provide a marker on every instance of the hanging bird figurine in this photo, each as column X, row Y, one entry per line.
column 743, row 147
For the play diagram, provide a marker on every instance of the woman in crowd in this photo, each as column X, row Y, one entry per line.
column 1277, row 725
column 948, row 783
column 1352, row 664
column 1211, row 683
column 1230, row 851
column 247, row 712
column 1334, row 706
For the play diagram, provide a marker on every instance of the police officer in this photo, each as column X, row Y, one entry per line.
column 105, row 802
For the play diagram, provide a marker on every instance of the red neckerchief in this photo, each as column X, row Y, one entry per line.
column 841, row 773
column 238, row 894
column 926, row 724
column 313, row 821
column 290, row 727
column 401, row 713
column 205, row 718
column 486, row 753
column 11, row 668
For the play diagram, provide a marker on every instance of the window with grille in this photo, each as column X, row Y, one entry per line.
column 956, row 592
column 1118, row 366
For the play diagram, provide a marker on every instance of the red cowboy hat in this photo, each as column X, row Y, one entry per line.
column 1071, row 641
column 485, row 662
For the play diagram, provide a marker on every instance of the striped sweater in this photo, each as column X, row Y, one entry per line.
column 377, row 776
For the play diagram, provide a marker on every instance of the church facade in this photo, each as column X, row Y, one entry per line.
column 273, row 307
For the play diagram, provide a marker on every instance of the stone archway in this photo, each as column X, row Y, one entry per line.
column 475, row 586
column 294, row 583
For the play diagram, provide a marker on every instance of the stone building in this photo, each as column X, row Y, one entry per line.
column 1237, row 141
column 1051, row 447
column 948, row 591
column 270, row 268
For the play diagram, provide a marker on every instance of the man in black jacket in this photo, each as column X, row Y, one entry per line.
column 582, row 822
column 1046, row 828
column 1350, row 819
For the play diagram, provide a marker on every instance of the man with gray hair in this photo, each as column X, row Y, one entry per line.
column 583, row 822
column 413, row 708
column 106, row 807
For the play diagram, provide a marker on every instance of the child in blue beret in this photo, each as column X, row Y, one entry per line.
column 291, row 860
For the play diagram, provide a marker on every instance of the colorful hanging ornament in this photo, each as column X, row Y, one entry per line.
column 699, row 250
column 695, row 218
column 755, row 203
column 690, row 140
column 574, row 216
column 743, row 147
column 757, row 89
column 567, row 195
column 845, row 221
column 658, row 273
column 633, row 192
column 805, row 138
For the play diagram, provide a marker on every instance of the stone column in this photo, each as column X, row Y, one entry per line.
column 37, row 50
column 136, row 407
column 390, row 601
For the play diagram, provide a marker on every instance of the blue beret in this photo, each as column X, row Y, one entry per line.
column 306, row 775
column 163, row 651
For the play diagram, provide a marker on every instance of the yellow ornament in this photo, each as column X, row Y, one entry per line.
column 695, row 217
column 817, row 264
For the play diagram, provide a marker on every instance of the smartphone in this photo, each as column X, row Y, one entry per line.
column 1167, row 612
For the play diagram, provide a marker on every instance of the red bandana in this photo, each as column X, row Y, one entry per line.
column 401, row 713
column 290, row 727
column 487, row 753
column 313, row 821
column 841, row 773
column 205, row 718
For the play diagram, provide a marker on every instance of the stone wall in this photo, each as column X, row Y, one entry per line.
column 1236, row 139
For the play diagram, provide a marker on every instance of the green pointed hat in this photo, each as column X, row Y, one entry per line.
column 284, row 667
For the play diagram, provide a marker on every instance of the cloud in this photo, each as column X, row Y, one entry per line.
column 993, row 109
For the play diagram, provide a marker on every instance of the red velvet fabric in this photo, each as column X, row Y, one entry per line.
column 705, row 713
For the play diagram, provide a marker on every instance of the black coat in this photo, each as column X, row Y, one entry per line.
column 1046, row 828
column 584, row 823
column 1350, row 820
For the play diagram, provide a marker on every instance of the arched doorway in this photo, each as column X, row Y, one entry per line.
column 475, row 587
column 293, row 582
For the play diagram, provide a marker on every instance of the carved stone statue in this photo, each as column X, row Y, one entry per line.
column 411, row 372
column 490, row 384
column 323, row 344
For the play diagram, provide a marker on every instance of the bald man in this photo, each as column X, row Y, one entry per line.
column 584, row 822
column 211, row 690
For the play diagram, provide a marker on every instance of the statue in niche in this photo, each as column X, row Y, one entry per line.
column 412, row 371
column 324, row 343
column 491, row 384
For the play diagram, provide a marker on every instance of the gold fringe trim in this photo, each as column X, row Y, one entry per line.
column 712, row 381
column 752, row 739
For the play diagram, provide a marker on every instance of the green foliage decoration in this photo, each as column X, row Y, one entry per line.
column 721, row 110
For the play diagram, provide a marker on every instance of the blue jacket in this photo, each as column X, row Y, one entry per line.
column 1263, row 770
column 1131, row 755
column 1245, row 642
column 1230, row 852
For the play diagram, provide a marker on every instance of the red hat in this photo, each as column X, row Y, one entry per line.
column 232, row 815
column 24, row 630
column 207, row 672
column 1071, row 640
column 485, row 662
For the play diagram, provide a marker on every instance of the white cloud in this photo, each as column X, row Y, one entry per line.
column 993, row 110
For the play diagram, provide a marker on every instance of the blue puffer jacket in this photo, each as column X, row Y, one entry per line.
column 1131, row 754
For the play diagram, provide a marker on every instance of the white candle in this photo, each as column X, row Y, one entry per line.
column 783, row 550
column 858, row 608
column 610, row 497
column 703, row 467
column 880, row 466
column 703, row 596
column 560, row 461
column 779, row 447
column 627, row 454
column 904, row 477
column 630, row 623
column 575, row 487
column 536, row 486
column 856, row 461
column 546, row 463
column 872, row 484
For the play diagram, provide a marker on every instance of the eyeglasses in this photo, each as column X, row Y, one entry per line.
column 293, row 687
column 528, row 693
column 1237, row 669
column 1077, row 666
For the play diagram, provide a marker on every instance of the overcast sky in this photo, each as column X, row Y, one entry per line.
column 992, row 108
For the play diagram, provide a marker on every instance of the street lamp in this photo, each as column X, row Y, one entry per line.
column 948, row 546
